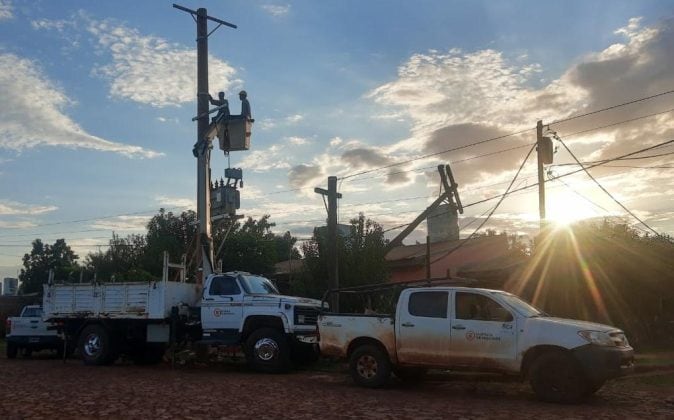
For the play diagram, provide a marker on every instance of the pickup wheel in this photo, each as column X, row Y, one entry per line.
column 557, row 377
column 12, row 350
column 268, row 350
column 96, row 346
column 370, row 366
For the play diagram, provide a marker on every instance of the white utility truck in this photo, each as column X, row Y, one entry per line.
column 27, row 333
column 481, row 330
column 140, row 319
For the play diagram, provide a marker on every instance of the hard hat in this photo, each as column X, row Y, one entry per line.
column 243, row 92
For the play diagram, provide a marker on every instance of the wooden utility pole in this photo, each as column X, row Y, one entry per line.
column 202, row 148
column 333, row 271
column 541, row 173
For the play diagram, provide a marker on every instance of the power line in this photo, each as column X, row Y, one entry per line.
column 645, row 98
column 617, row 123
column 436, row 153
column 605, row 190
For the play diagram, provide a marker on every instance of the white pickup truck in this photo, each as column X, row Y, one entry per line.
column 141, row 319
column 28, row 332
column 460, row 328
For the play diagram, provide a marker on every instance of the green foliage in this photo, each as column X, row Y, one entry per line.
column 605, row 272
column 360, row 258
column 43, row 257
column 253, row 247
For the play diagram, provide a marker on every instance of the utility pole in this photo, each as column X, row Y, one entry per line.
column 202, row 148
column 541, row 173
column 333, row 272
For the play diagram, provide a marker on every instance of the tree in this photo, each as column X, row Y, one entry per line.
column 360, row 258
column 252, row 246
column 42, row 258
column 122, row 260
column 168, row 232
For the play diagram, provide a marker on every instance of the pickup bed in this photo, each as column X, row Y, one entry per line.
column 479, row 330
column 28, row 332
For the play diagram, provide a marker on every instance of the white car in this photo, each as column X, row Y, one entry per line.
column 28, row 332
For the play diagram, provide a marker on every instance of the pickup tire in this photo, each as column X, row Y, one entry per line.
column 370, row 366
column 557, row 377
column 268, row 350
column 96, row 346
column 12, row 350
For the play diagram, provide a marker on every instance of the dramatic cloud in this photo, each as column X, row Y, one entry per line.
column 145, row 68
column 6, row 10
column 303, row 175
column 276, row 10
column 150, row 70
column 8, row 207
column 23, row 85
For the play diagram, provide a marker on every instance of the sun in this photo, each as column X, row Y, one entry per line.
column 565, row 208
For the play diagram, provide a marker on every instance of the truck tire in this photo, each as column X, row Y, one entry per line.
column 268, row 350
column 96, row 346
column 557, row 377
column 12, row 350
column 370, row 366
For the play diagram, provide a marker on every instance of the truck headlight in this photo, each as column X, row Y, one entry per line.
column 597, row 337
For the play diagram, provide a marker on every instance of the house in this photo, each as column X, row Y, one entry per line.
column 486, row 259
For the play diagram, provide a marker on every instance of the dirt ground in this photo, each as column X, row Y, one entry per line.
column 41, row 387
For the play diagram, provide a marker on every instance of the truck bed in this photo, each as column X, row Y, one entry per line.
column 337, row 332
column 134, row 300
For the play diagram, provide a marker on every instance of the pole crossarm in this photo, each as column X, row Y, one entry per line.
column 194, row 13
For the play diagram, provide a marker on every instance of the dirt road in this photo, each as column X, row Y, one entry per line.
column 44, row 388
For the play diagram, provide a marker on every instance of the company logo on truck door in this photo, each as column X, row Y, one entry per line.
column 472, row 336
column 218, row 312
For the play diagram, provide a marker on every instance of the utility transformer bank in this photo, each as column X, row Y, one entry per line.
column 479, row 330
column 141, row 319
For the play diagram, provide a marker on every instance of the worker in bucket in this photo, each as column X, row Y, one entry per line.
column 245, row 105
column 221, row 102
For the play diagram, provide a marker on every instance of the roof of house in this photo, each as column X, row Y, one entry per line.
column 478, row 245
column 288, row 266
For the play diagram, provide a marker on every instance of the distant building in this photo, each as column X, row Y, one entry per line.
column 9, row 286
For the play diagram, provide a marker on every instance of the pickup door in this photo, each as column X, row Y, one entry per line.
column 484, row 332
column 423, row 328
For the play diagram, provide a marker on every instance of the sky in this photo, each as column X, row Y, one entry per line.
column 96, row 101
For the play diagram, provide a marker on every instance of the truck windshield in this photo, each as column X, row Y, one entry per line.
column 521, row 306
column 255, row 285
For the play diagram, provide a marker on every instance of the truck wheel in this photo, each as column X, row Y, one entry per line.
column 27, row 352
column 96, row 346
column 149, row 354
column 410, row 375
column 556, row 377
column 370, row 367
column 267, row 350
column 12, row 350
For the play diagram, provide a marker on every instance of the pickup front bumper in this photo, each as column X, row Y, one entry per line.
column 601, row 362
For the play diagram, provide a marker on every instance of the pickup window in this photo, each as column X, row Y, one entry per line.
column 32, row 313
column 428, row 304
column 480, row 308
column 224, row 285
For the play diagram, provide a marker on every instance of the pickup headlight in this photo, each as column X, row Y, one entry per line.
column 597, row 337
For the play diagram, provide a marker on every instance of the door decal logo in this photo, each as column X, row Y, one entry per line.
column 470, row 336
column 217, row 312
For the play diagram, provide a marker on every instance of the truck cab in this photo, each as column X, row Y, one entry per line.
column 481, row 330
column 242, row 308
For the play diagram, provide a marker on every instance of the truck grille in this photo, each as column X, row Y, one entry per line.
column 305, row 315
